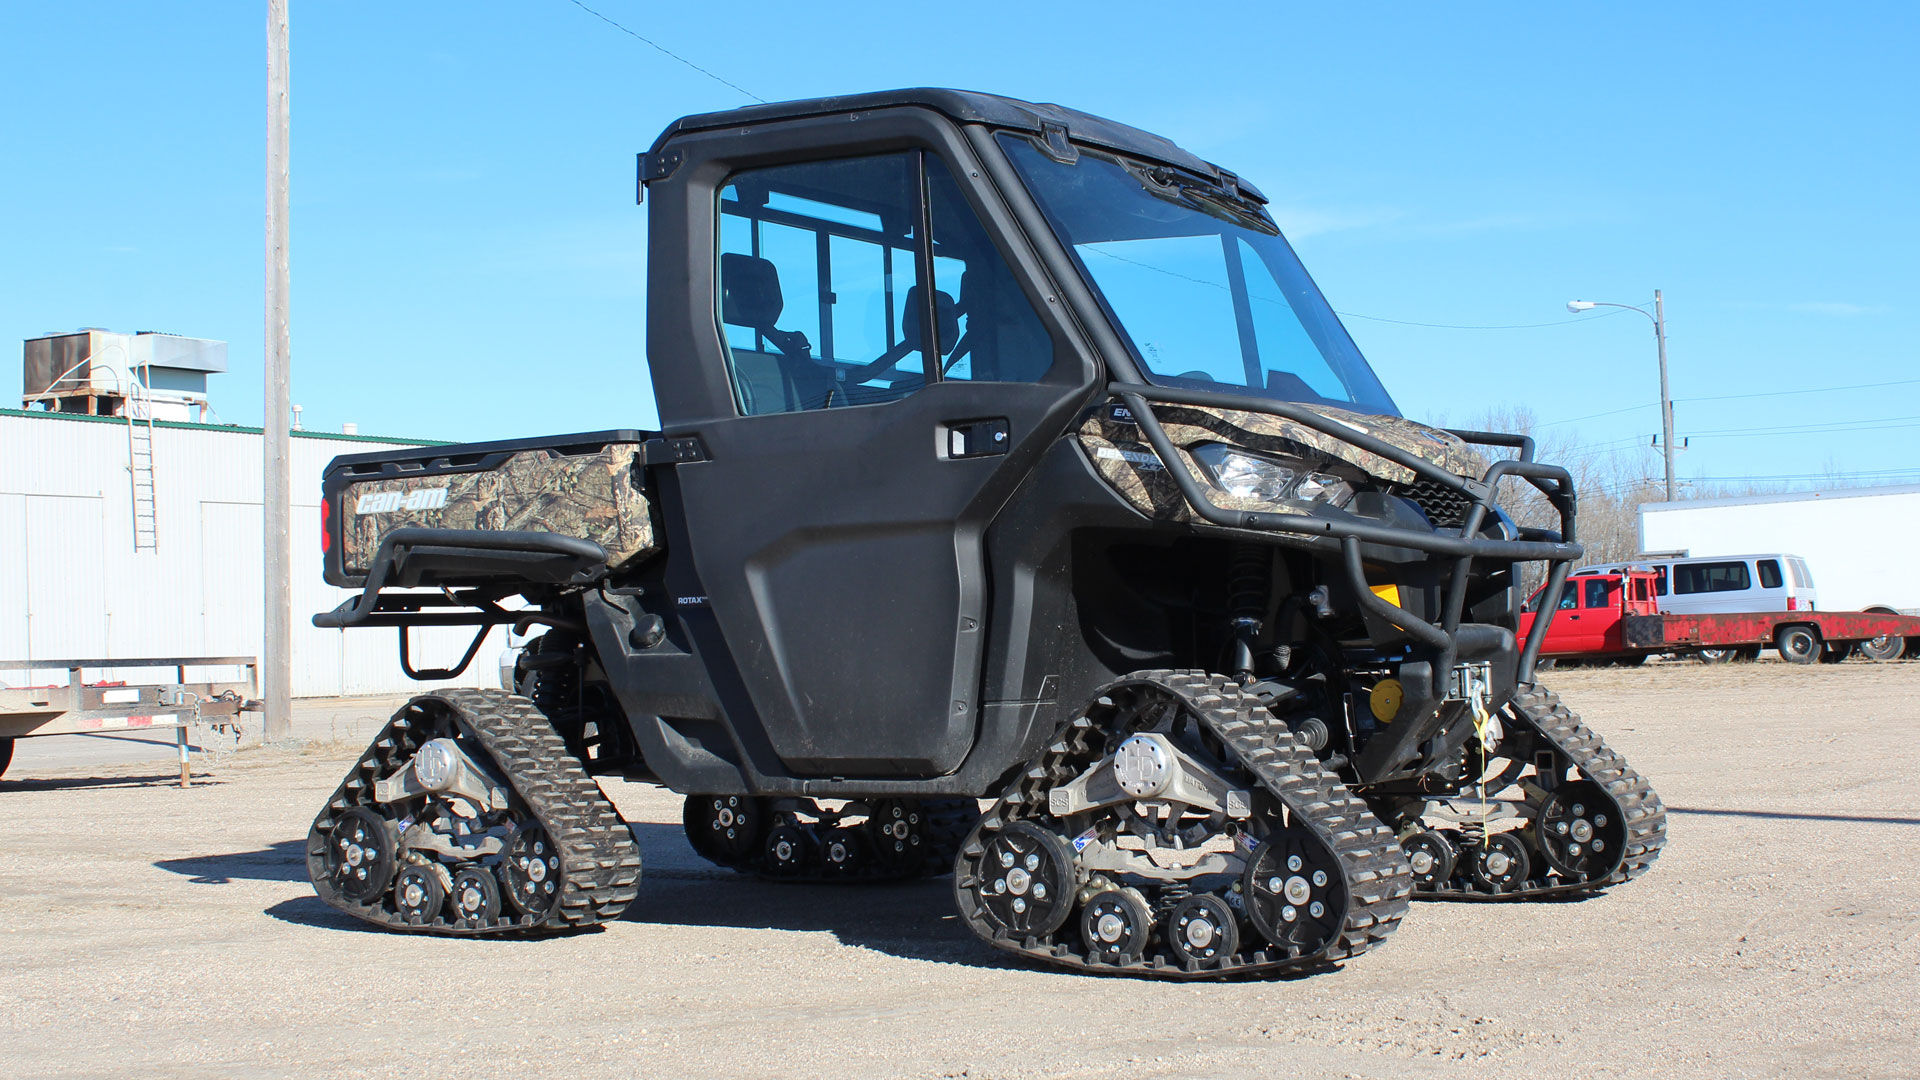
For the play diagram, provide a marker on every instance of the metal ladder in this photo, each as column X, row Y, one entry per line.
column 146, row 529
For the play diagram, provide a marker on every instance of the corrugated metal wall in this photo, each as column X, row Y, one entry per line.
column 72, row 586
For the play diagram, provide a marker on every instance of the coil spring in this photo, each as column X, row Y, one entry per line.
column 1249, row 580
column 1170, row 896
column 1473, row 833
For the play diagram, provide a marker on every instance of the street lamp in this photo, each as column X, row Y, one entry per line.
column 1659, row 318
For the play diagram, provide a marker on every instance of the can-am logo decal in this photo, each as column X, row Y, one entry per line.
column 385, row 502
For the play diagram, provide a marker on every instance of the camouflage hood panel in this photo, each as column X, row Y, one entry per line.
column 593, row 496
column 1118, row 449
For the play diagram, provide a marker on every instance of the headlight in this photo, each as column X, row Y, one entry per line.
column 1269, row 479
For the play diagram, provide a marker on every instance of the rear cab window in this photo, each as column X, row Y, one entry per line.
column 1596, row 589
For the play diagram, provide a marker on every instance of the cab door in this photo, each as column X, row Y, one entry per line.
column 885, row 381
column 1584, row 614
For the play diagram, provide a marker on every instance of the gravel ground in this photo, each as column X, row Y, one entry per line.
column 154, row 932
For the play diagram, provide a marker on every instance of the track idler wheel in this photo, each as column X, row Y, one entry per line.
column 1500, row 862
column 1432, row 857
column 418, row 894
column 789, row 851
column 1579, row 833
column 1116, row 926
column 1294, row 896
column 842, row 853
column 727, row 829
column 360, row 854
column 1026, row 883
column 530, row 870
column 475, row 898
column 1202, row 929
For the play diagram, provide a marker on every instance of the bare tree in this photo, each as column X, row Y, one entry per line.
column 1610, row 482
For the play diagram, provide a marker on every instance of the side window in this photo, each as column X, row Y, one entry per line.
column 993, row 333
column 1660, row 579
column 817, row 262
column 822, row 270
column 1711, row 577
column 1769, row 574
column 1569, row 597
column 1597, row 592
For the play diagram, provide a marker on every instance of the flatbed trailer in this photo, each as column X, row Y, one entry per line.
column 1614, row 617
column 1801, row 636
column 93, row 708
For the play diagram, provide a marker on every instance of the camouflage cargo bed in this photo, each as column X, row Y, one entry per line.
column 589, row 487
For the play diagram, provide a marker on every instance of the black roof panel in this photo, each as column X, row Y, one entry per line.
column 965, row 106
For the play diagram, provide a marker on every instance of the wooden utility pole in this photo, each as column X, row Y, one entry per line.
column 277, row 661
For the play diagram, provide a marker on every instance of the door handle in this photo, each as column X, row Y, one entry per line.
column 974, row 438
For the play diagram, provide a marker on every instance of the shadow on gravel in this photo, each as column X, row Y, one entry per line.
column 284, row 861
column 310, row 910
column 1782, row 815
column 911, row 919
column 169, row 779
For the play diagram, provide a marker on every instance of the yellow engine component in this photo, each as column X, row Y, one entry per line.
column 1385, row 700
column 1389, row 593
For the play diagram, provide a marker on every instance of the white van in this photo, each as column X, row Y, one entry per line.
column 1725, row 583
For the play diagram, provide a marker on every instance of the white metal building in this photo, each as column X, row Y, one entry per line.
column 73, row 585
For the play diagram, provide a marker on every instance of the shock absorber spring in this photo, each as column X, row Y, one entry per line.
column 1249, row 583
column 1170, row 896
column 1473, row 833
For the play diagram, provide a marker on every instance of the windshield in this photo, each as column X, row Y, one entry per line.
column 1199, row 281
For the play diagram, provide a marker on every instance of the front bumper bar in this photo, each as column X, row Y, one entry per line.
column 1558, row 549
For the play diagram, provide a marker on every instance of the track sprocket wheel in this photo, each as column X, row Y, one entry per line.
column 1578, row 832
column 1291, row 897
column 530, row 870
column 360, row 854
column 1029, row 884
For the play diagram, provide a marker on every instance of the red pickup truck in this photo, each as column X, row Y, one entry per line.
column 1614, row 618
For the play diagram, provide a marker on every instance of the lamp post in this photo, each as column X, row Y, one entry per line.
column 1659, row 318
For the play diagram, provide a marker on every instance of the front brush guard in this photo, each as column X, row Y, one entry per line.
column 1448, row 638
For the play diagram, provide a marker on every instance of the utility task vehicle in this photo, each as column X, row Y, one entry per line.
column 1007, row 453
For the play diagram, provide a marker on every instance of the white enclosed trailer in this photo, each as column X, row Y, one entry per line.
column 1857, row 541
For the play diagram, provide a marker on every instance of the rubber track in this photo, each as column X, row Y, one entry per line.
column 948, row 822
column 1379, row 881
column 599, row 862
column 1645, row 816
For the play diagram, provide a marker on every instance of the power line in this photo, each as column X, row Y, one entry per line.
column 1736, row 397
column 669, row 52
column 1797, row 393
column 1457, row 326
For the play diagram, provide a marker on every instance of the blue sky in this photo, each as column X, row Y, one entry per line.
column 468, row 262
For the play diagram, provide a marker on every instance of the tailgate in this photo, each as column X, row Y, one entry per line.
column 587, row 486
